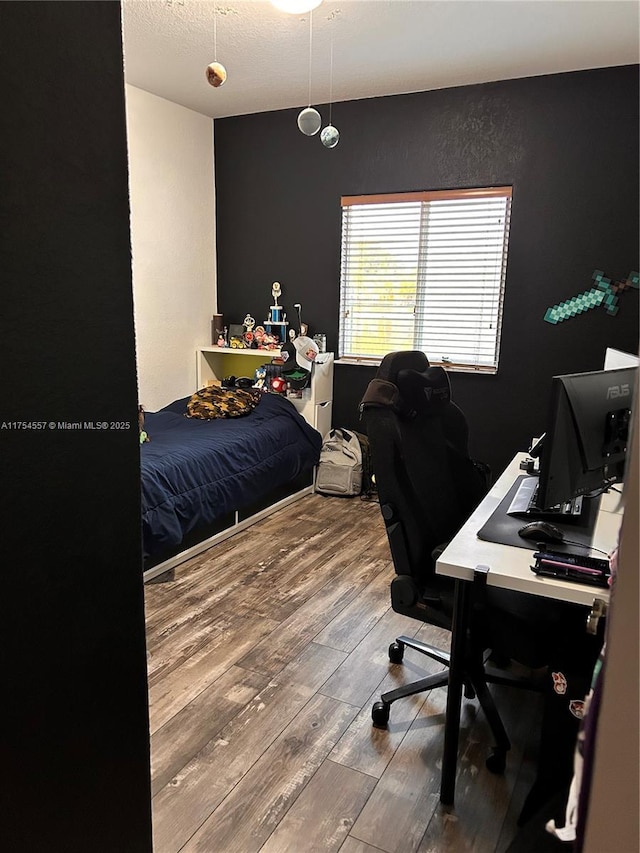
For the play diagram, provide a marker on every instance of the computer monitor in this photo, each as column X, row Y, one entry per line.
column 585, row 443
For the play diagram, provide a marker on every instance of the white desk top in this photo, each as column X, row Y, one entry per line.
column 510, row 567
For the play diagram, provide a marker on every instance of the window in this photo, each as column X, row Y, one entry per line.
column 425, row 271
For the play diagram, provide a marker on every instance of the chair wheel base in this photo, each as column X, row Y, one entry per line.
column 396, row 652
column 380, row 714
column 497, row 761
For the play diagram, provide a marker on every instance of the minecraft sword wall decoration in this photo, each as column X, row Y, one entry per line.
column 604, row 293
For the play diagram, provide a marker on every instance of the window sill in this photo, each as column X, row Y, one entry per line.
column 448, row 366
column 366, row 362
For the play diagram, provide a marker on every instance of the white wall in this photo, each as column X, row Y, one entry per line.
column 171, row 182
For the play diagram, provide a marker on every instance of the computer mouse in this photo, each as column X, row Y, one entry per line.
column 541, row 531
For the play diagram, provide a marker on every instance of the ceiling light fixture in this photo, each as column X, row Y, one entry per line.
column 296, row 7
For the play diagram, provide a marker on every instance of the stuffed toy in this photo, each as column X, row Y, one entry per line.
column 143, row 435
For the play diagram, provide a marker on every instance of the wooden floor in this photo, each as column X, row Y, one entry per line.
column 265, row 654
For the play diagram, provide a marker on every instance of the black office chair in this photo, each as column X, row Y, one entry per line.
column 428, row 486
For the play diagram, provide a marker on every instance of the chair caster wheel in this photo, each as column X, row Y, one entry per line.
column 469, row 692
column 396, row 652
column 497, row 761
column 380, row 714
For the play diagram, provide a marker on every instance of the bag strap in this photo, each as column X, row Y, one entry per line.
column 345, row 434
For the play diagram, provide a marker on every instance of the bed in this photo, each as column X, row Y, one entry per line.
column 204, row 480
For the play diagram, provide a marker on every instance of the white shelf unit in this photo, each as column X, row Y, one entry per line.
column 214, row 363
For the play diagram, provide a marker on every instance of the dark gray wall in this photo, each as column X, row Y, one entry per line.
column 567, row 143
column 75, row 737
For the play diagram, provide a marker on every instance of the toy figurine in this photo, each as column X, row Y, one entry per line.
column 279, row 385
column 258, row 334
column 143, row 434
column 260, row 378
column 248, row 336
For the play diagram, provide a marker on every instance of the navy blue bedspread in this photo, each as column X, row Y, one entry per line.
column 196, row 471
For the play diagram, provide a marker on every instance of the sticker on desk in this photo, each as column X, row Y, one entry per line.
column 559, row 683
column 576, row 706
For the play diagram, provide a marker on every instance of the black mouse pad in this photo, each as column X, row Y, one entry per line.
column 503, row 528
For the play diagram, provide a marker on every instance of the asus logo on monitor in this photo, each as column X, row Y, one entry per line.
column 618, row 391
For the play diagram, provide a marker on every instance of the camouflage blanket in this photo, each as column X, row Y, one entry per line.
column 216, row 402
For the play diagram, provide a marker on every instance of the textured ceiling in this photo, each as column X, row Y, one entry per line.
column 380, row 47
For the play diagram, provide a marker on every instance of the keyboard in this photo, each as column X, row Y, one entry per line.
column 523, row 504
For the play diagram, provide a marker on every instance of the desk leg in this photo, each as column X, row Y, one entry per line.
column 454, row 693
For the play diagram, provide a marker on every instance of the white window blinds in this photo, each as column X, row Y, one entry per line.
column 425, row 271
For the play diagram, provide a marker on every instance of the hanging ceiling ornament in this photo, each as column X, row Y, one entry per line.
column 216, row 72
column 309, row 120
column 330, row 136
